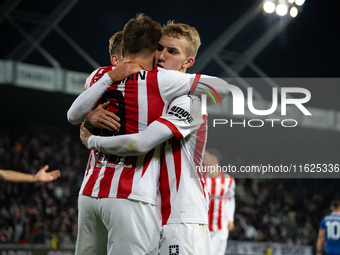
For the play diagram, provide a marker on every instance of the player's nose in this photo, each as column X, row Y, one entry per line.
column 161, row 57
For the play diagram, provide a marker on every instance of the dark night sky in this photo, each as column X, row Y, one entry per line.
column 309, row 47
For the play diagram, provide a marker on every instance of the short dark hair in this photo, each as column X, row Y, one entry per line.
column 214, row 152
column 115, row 44
column 336, row 204
column 141, row 34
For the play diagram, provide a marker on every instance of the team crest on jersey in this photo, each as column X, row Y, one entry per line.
column 181, row 113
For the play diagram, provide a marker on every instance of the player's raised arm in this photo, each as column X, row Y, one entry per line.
column 88, row 99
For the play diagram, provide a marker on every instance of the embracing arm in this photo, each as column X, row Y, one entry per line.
column 88, row 99
column 157, row 132
column 128, row 145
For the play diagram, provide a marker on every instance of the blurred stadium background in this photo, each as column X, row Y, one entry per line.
column 48, row 49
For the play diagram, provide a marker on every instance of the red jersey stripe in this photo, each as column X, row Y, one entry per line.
column 212, row 203
column 199, row 147
column 164, row 190
column 126, row 179
column 105, row 183
column 172, row 127
column 219, row 221
column 176, row 151
column 131, row 104
column 147, row 160
column 92, row 180
column 195, row 83
column 155, row 102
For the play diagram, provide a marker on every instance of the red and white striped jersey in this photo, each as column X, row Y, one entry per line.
column 138, row 100
column 222, row 201
column 182, row 192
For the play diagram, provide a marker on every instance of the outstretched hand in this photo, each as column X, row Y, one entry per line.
column 43, row 176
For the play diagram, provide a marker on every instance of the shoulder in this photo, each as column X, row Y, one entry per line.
column 96, row 75
column 172, row 74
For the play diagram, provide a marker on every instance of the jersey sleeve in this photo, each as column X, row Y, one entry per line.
column 173, row 84
column 87, row 100
column 230, row 208
column 183, row 116
column 96, row 75
column 132, row 144
column 90, row 79
column 231, row 190
column 323, row 224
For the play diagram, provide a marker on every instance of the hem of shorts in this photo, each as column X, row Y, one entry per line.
column 136, row 198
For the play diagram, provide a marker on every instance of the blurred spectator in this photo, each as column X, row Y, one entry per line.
column 29, row 213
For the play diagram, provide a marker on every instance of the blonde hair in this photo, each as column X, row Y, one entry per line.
column 181, row 30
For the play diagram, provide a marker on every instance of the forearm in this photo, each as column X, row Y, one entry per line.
column 133, row 144
column 13, row 176
column 320, row 241
column 87, row 100
column 319, row 244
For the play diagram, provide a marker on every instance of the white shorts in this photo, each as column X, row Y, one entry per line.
column 219, row 241
column 184, row 239
column 116, row 226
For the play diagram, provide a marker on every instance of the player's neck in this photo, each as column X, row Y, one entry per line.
column 147, row 62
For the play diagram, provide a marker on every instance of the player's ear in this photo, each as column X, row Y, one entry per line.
column 189, row 62
column 114, row 59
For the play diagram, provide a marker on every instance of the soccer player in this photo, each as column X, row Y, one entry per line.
column 172, row 85
column 116, row 206
column 329, row 231
column 184, row 204
column 222, row 201
column 40, row 176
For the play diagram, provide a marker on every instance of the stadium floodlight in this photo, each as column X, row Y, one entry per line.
column 293, row 12
column 281, row 9
column 299, row 2
column 269, row 7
